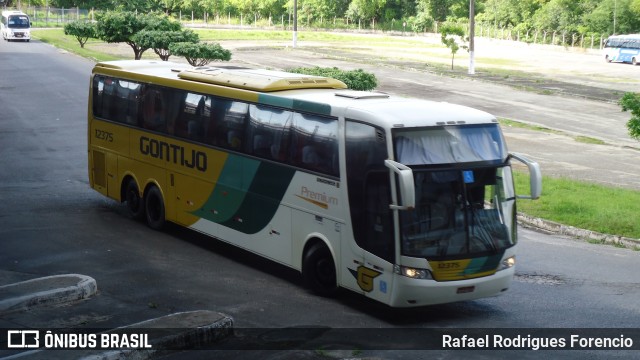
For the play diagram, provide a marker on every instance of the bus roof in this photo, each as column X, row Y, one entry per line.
column 308, row 93
column 241, row 78
column 259, row 80
column 393, row 111
column 12, row 12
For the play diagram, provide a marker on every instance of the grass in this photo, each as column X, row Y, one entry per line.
column 599, row 208
column 282, row 35
column 589, row 140
column 584, row 205
column 521, row 125
column 57, row 38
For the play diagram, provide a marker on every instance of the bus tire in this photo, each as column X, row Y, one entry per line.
column 634, row 61
column 154, row 208
column 135, row 204
column 319, row 270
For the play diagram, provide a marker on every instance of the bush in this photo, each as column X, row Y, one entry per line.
column 200, row 54
column 631, row 102
column 354, row 79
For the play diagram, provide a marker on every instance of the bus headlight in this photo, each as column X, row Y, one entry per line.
column 412, row 272
column 507, row 263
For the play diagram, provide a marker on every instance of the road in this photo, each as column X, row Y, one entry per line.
column 52, row 223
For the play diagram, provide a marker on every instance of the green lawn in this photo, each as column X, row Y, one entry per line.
column 599, row 208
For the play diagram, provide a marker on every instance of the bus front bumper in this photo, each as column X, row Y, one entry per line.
column 19, row 35
column 415, row 292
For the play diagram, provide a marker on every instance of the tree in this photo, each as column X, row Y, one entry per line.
column 421, row 22
column 160, row 40
column 82, row 30
column 452, row 36
column 631, row 102
column 200, row 54
column 122, row 26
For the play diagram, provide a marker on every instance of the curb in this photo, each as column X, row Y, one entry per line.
column 560, row 229
column 45, row 291
column 169, row 333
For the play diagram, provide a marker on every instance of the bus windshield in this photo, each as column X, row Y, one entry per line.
column 18, row 22
column 449, row 144
column 460, row 214
column 465, row 202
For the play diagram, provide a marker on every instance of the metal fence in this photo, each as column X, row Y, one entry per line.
column 48, row 16
column 561, row 38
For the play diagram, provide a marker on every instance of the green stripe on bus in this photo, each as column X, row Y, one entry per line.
column 294, row 104
column 247, row 194
column 232, row 187
column 483, row 264
column 262, row 199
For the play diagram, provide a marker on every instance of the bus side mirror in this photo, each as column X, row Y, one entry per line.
column 405, row 184
column 535, row 177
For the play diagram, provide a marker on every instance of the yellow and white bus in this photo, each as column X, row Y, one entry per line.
column 409, row 202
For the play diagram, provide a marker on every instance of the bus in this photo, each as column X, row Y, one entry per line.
column 15, row 25
column 623, row 48
column 409, row 202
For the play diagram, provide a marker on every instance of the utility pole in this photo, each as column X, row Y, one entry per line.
column 472, row 30
column 615, row 14
column 295, row 23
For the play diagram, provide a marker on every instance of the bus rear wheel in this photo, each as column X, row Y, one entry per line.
column 135, row 204
column 319, row 270
column 154, row 208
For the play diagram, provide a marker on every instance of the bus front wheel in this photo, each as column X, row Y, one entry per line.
column 319, row 271
column 154, row 206
column 135, row 205
column 634, row 61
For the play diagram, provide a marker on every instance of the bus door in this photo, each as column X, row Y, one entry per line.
column 369, row 192
column 379, row 245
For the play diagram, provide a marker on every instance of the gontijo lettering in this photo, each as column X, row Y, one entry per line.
column 173, row 153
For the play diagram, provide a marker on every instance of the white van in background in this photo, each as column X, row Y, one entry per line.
column 15, row 25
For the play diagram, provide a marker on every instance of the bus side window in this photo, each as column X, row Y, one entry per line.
column 109, row 99
column 314, row 143
column 172, row 101
column 98, row 96
column 235, row 122
column 129, row 102
column 153, row 116
column 191, row 119
column 269, row 131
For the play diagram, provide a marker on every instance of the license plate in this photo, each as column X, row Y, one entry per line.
column 465, row 289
